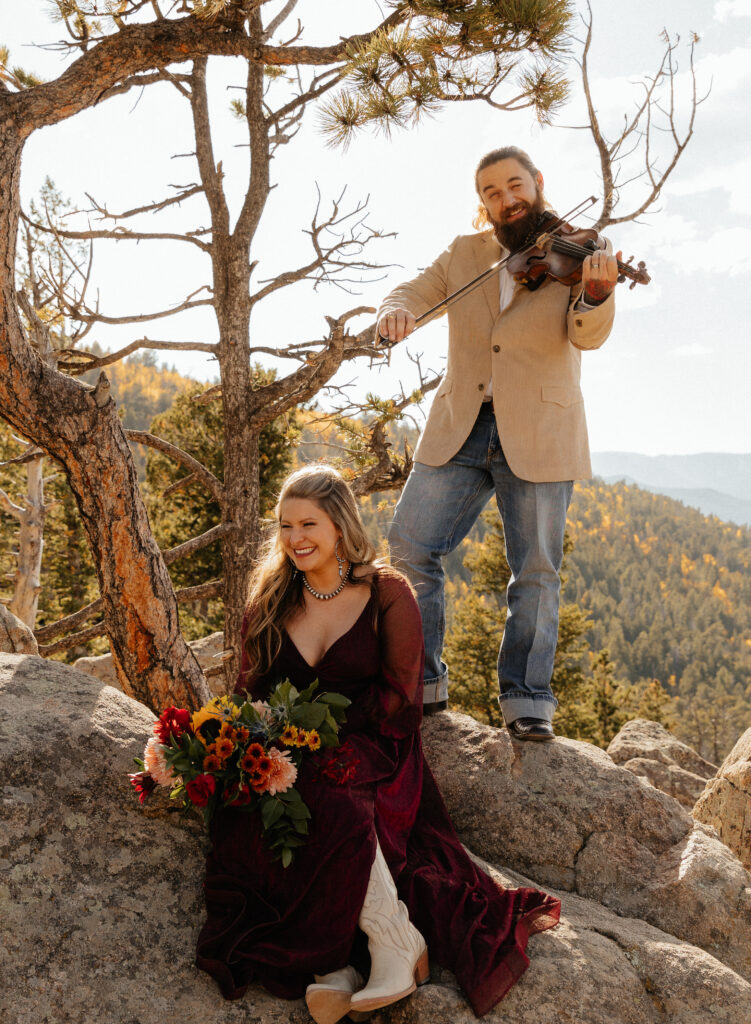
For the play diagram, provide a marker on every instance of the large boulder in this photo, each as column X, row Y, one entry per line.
column 15, row 636
column 567, row 816
column 207, row 651
column 100, row 899
column 647, row 749
column 726, row 802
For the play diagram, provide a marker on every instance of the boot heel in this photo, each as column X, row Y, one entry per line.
column 422, row 969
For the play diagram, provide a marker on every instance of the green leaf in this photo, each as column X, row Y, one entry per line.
column 271, row 810
column 307, row 694
column 309, row 716
column 337, row 699
column 287, row 857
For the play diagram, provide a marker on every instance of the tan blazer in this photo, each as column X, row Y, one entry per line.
column 531, row 349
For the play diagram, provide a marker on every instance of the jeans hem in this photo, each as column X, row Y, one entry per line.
column 514, row 707
column 436, row 689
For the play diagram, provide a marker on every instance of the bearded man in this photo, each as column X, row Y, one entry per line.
column 508, row 417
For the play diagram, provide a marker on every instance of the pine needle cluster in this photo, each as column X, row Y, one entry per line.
column 451, row 51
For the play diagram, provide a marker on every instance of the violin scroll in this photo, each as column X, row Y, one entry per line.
column 638, row 274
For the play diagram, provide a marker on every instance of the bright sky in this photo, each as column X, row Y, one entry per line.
column 675, row 375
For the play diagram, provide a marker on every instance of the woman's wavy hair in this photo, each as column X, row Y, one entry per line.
column 276, row 586
column 481, row 220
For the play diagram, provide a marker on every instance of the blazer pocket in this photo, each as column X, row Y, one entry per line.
column 561, row 394
column 445, row 388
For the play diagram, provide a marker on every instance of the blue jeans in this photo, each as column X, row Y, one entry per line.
column 438, row 507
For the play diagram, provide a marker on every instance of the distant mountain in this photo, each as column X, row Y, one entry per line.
column 717, row 483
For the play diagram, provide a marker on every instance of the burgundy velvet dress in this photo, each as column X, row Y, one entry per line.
column 280, row 926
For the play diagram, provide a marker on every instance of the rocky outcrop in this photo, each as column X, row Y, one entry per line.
column 647, row 749
column 15, row 636
column 726, row 802
column 100, row 899
column 207, row 650
column 564, row 814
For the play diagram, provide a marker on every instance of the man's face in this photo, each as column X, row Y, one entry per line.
column 513, row 199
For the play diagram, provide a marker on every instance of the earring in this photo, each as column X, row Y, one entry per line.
column 339, row 559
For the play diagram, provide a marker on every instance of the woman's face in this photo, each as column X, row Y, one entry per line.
column 308, row 535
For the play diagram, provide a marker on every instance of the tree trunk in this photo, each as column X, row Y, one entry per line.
column 27, row 583
column 81, row 429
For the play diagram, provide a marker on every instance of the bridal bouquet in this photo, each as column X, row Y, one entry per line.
column 235, row 752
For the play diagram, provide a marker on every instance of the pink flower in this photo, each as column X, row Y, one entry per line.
column 201, row 789
column 263, row 711
column 282, row 773
column 156, row 763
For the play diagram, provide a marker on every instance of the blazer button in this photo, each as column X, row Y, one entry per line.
column 496, row 348
column 480, row 387
column 579, row 323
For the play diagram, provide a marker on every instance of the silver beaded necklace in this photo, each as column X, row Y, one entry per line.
column 327, row 597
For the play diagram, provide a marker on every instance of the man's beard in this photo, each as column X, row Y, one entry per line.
column 513, row 236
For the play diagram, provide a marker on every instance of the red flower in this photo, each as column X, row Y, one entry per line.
column 238, row 796
column 143, row 784
column 201, row 789
column 173, row 721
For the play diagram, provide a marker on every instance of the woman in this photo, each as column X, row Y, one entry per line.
column 382, row 860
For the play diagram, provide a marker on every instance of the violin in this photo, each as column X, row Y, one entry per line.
column 560, row 256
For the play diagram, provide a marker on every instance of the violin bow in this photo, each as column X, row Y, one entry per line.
column 470, row 286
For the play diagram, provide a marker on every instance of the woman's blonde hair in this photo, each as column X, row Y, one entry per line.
column 276, row 586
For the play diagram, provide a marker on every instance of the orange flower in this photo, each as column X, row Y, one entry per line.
column 241, row 734
column 224, row 747
column 259, row 781
column 211, row 763
column 313, row 741
column 248, row 763
column 256, row 750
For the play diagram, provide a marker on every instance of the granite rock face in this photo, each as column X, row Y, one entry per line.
column 647, row 749
column 206, row 650
column 100, row 899
column 15, row 636
column 725, row 804
column 564, row 814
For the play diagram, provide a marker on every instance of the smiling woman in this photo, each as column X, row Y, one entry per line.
column 382, row 863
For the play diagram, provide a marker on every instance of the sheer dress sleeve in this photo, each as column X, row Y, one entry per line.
column 402, row 655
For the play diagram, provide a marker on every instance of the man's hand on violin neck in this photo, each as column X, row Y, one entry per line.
column 395, row 326
column 599, row 276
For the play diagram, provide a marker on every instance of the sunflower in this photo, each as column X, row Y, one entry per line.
column 290, row 736
column 313, row 740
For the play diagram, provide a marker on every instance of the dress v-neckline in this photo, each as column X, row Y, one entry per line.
column 332, row 645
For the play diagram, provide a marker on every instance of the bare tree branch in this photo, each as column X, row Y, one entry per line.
column 151, row 441
column 75, row 361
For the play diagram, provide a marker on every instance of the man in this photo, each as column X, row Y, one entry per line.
column 507, row 417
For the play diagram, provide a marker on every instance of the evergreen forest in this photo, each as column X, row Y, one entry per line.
column 656, row 608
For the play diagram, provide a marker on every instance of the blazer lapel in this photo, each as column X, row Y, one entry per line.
column 487, row 251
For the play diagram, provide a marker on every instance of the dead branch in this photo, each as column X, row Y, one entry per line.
column 104, row 213
column 204, row 475
column 75, row 362
column 638, row 131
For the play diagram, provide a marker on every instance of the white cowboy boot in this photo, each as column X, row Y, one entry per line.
column 398, row 954
column 328, row 1000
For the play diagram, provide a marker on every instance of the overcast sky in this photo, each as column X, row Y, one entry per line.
column 674, row 377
